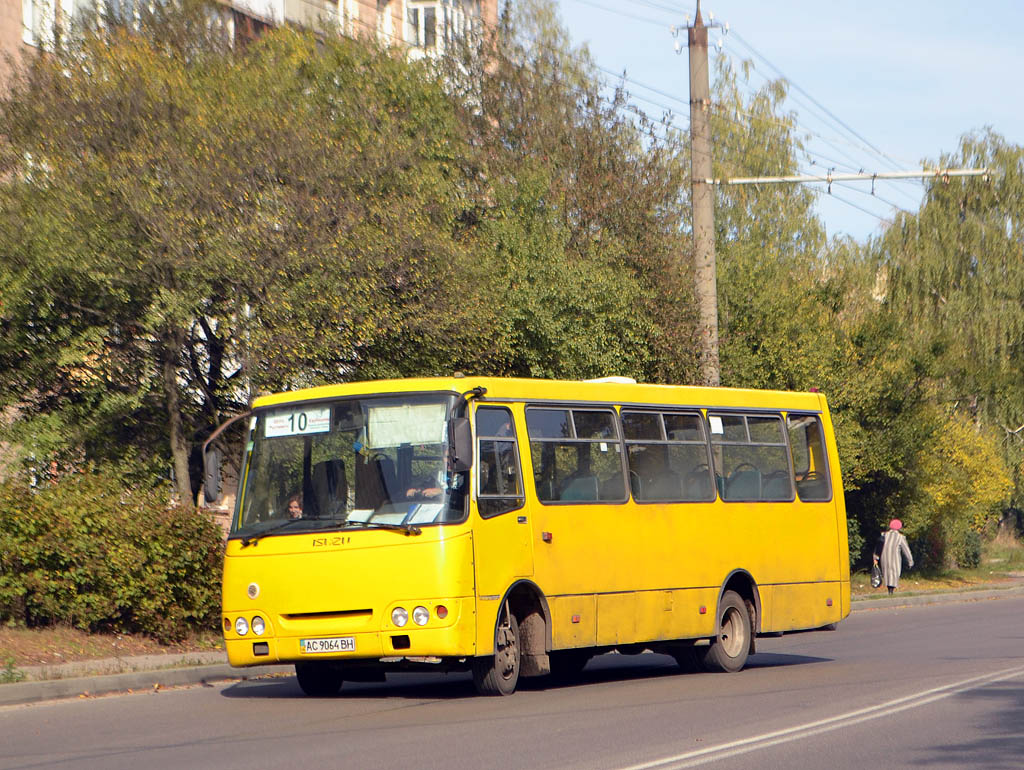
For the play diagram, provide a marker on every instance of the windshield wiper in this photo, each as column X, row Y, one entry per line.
column 247, row 541
column 408, row 529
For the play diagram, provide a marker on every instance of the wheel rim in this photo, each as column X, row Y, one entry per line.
column 506, row 658
column 732, row 634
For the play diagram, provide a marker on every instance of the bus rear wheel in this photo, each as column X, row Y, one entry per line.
column 731, row 646
column 320, row 679
column 498, row 674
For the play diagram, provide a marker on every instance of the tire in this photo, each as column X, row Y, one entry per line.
column 319, row 680
column 498, row 674
column 731, row 646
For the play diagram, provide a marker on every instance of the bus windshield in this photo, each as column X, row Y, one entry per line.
column 348, row 463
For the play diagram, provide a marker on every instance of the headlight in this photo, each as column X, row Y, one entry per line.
column 420, row 616
column 241, row 627
column 399, row 616
column 258, row 626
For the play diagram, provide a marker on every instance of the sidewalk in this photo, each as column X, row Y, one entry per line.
column 151, row 672
column 882, row 600
column 139, row 673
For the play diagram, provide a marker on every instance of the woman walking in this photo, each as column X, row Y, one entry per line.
column 890, row 547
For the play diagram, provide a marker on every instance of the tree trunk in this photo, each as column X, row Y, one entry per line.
column 170, row 350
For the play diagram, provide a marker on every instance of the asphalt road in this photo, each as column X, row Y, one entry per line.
column 940, row 686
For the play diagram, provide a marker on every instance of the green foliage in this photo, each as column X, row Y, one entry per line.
column 857, row 541
column 955, row 281
column 578, row 211
column 961, row 484
column 184, row 223
column 10, row 673
column 86, row 551
column 966, row 550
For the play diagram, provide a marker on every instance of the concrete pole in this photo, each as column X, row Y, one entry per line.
column 702, row 201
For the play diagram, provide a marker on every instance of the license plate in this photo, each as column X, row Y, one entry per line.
column 334, row 644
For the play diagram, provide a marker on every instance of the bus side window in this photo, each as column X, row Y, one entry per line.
column 751, row 461
column 668, row 457
column 577, row 455
column 499, row 480
column 810, row 460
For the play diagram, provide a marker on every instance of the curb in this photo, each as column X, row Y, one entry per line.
column 54, row 689
column 861, row 604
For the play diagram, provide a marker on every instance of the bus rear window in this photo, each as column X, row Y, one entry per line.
column 810, row 464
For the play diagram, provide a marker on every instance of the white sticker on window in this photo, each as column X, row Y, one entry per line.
column 716, row 424
column 604, row 446
column 294, row 422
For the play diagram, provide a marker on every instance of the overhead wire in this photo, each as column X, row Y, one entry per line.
column 665, row 122
column 847, row 186
column 633, row 16
column 832, row 116
column 864, row 144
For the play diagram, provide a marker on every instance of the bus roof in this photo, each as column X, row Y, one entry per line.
column 564, row 391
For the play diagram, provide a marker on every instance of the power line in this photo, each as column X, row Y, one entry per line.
column 814, row 101
column 618, row 12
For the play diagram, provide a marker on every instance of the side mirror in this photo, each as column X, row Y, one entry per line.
column 460, row 438
column 211, row 474
column 211, row 461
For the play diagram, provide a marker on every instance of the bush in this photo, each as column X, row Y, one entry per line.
column 856, row 540
column 86, row 551
column 966, row 549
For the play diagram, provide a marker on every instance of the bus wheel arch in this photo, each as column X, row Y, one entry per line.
column 530, row 608
column 741, row 584
column 522, row 638
column 730, row 647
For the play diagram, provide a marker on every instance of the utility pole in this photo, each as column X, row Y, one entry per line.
column 702, row 200
column 702, row 185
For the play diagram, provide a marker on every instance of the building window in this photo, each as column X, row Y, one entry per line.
column 385, row 22
column 432, row 24
column 38, row 19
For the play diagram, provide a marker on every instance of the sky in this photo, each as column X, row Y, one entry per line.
column 907, row 78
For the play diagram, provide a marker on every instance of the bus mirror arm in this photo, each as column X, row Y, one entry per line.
column 460, row 436
column 211, row 461
column 461, row 444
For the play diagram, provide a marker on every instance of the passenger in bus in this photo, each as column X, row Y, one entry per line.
column 434, row 488
column 295, row 506
column 424, row 490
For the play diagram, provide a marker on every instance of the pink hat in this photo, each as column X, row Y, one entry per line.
column 895, row 524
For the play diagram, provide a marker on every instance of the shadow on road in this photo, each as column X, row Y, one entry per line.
column 603, row 669
column 1000, row 743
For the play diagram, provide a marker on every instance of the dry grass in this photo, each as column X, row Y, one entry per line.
column 59, row 644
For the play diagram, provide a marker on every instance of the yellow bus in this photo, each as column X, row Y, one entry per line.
column 515, row 527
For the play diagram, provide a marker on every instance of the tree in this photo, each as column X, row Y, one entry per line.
column 579, row 203
column 184, row 223
column 956, row 282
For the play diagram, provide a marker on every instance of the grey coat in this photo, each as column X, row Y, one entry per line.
column 893, row 544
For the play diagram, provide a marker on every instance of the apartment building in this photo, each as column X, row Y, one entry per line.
column 423, row 27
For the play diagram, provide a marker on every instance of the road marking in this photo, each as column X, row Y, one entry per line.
column 767, row 740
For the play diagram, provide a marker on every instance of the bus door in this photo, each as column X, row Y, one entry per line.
column 502, row 541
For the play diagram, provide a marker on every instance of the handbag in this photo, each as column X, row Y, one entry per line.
column 876, row 576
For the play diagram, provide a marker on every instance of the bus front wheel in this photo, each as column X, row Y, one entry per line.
column 731, row 646
column 498, row 674
column 319, row 680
